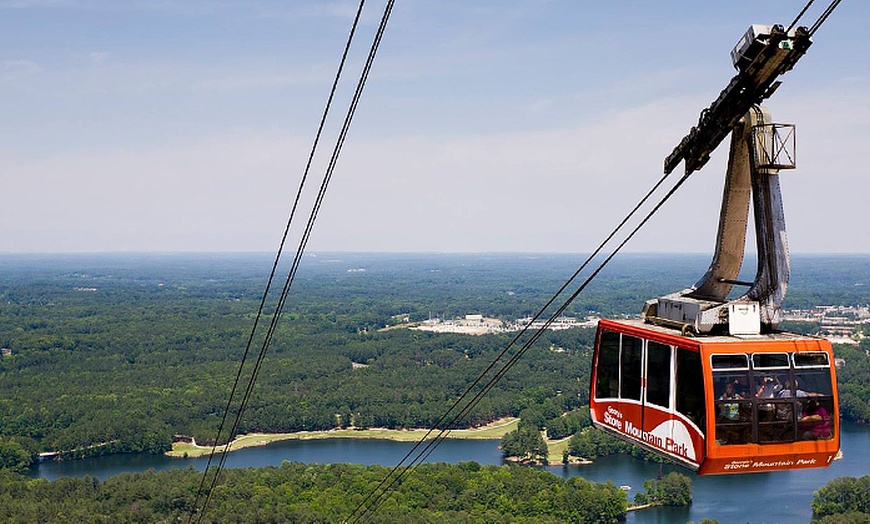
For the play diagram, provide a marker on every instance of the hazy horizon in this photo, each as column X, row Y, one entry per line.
column 517, row 126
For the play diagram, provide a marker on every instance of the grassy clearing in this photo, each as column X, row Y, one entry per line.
column 555, row 448
column 493, row 430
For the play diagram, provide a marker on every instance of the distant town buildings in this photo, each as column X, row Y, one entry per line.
column 477, row 324
column 839, row 324
column 558, row 323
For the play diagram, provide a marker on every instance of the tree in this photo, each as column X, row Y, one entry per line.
column 674, row 489
column 13, row 456
column 525, row 443
column 850, row 517
column 842, row 495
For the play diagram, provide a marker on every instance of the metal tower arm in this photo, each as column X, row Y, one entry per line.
column 761, row 56
column 753, row 170
column 759, row 149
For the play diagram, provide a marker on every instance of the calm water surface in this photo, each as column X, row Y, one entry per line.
column 326, row 451
column 781, row 497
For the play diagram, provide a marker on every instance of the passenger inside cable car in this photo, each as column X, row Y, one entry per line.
column 778, row 410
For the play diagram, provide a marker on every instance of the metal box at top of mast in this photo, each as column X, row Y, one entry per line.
column 752, row 42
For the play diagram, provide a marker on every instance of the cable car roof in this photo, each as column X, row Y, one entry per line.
column 640, row 325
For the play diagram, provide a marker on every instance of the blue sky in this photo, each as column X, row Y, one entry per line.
column 152, row 125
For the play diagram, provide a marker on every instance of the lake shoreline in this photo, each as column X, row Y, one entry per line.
column 494, row 430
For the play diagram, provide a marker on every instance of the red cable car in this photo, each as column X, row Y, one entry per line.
column 717, row 404
column 706, row 380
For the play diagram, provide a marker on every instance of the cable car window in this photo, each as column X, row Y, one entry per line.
column 775, row 421
column 733, row 395
column 630, row 366
column 810, row 359
column 771, row 384
column 733, row 421
column 812, row 382
column 730, row 362
column 731, row 386
column 690, row 386
column 815, row 419
column 607, row 374
column 658, row 374
column 779, row 404
column 770, row 360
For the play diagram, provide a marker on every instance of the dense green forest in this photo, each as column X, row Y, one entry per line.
column 123, row 353
column 293, row 492
column 844, row 500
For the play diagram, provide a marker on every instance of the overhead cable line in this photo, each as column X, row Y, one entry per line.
column 799, row 15
column 272, row 274
column 394, row 477
column 396, row 474
column 455, row 405
column 313, row 216
column 824, row 16
column 303, row 242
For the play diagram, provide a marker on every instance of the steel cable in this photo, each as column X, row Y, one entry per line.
column 824, row 16
column 393, row 478
column 306, row 235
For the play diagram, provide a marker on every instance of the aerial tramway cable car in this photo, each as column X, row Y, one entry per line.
column 704, row 380
column 717, row 404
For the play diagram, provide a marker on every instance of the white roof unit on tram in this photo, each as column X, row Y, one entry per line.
column 753, row 40
column 749, row 44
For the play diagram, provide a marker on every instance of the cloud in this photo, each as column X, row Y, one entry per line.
column 247, row 79
column 537, row 190
column 99, row 57
column 19, row 69
column 294, row 12
column 28, row 4
column 548, row 190
column 223, row 194
column 492, row 132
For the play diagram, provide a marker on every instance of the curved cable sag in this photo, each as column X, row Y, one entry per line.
column 312, row 217
column 443, row 429
column 798, row 17
column 394, row 477
column 824, row 16
column 310, row 225
column 272, row 274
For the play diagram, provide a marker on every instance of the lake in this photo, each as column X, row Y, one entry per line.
column 778, row 497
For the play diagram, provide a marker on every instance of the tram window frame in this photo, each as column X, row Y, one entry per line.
column 607, row 368
column 776, row 421
column 630, row 367
column 658, row 374
column 734, row 416
column 734, row 421
column 813, row 377
column 811, row 431
column 814, row 382
column 802, row 354
column 784, row 364
column 763, row 418
column 689, row 386
column 730, row 361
